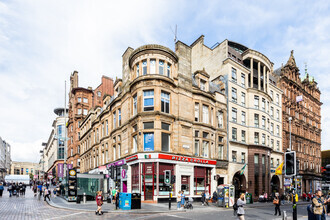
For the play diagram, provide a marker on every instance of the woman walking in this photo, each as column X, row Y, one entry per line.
column 1, row 189
column 99, row 203
column 240, row 203
column 277, row 204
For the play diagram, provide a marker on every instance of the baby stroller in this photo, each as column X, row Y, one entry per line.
column 188, row 203
column 15, row 193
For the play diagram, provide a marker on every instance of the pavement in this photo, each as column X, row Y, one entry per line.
column 30, row 207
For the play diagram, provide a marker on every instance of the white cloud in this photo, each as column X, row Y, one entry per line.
column 42, row 42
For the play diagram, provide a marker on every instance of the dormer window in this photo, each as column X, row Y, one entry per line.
column 161, row 67
column 203, row 85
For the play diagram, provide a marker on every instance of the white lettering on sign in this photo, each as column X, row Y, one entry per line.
column 186, row 146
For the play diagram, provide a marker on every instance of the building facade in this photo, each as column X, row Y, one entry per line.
column 254, row 110
column 24, row 168
column 5, row 158
column 81, row 100
column 163, row 117
column 54, row 150
column 301, row 102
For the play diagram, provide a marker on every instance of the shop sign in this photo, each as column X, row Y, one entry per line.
column 287, row 182
column 272, row 171
column 149, row 142
column 102, row 168
column 186, row 159
column 186, row 146
column 118, row 163
column 60, row 169
column 131, row 158
column 123, row 173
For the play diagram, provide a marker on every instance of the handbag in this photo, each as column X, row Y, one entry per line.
column 275, row 201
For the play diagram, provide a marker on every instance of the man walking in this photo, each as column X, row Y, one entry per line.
column 319, row 205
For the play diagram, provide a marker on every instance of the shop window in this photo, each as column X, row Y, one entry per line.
column 164, row 189
column 135, row 178
column 165, row 142
column 165, row 102
column 196, row 148
column 148, row 141
column 205, row 149
column 161, row 67
column 148, row 125
column 185, row 183
column 152, row 66
column 148, row 100
column 144, row 67
column 202, row 179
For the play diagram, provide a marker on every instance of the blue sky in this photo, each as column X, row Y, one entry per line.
column 42, row 42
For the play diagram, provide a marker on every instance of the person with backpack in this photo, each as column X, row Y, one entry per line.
column 318, row 204
column 277, row 203
column 240, row 210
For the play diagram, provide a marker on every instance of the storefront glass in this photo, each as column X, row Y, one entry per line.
column 202, row 180
column 185, row 183
column 164, row 189
column 135, row 178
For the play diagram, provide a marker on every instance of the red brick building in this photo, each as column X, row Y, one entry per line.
column 301, row 102
column 81, row 100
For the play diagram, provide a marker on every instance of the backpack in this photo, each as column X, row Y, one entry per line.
column 235, row 207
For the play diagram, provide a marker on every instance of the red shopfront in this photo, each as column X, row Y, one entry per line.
column 147, row 177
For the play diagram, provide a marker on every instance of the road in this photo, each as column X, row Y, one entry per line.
column 29, row 207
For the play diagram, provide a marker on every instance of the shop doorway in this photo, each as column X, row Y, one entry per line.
column 275, row 184
column 239, row 181
column 149, row 180
column 125, row 186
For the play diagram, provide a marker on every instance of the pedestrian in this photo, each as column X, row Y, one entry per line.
column 35, row 190
column 23, row 190
column 54, row 192
column 114, row 191
column 178, row 200
column 1, row 189
column 117, row 198
column 10, row 189
column 46, row 194
column 110, row 194
column 215, row 197
column 328, row 205
column 183, row 199
column 40, row 190
column 277, row 204
column 319, row 205
column 240, row 204
column 99, row 203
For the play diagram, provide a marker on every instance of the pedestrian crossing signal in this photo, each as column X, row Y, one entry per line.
column 167, row 177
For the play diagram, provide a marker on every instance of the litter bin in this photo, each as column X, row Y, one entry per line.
column 125, row 201
column 248, row 198
column 136, row 201
column 78, row 200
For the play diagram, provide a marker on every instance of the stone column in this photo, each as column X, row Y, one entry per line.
column 267, row 84
column 264, row 79
column 259, row 87
column 251, row 69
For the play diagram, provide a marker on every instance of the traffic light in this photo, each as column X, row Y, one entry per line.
column 167, row 177
column 327, row 173
column 290, row 163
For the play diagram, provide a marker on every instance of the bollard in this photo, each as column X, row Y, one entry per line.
column 284, row 216
column 84, row 197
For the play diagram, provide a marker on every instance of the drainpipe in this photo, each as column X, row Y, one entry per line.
column 225, row 80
